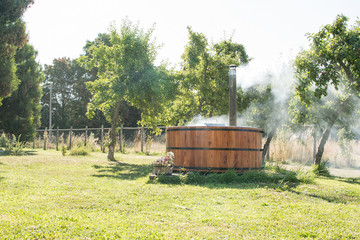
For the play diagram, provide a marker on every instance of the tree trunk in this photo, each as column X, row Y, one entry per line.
column 267, row 143
column 323, row 141
column 327, row 131
column 112, row 144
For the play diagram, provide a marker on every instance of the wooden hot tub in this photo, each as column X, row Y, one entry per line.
column 215, row 149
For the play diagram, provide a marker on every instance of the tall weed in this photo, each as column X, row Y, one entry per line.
column 321, row 169
column 280, row 176
column 4, row 141
column 12, row 147
column 79, row 149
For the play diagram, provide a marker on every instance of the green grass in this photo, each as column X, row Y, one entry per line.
column 49, row 196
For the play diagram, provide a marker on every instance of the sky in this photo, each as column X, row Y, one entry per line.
column 269, row 29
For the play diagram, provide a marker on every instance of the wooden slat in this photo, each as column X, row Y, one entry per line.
column 218, row 148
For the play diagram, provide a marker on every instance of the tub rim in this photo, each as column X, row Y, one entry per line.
column 214, row 128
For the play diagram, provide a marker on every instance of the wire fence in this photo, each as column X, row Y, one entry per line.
column 128, row 139
column 286, row 147
column 301, row 147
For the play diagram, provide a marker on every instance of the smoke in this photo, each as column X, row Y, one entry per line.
column 217, row 120
column 279, row 74
column 202, row 121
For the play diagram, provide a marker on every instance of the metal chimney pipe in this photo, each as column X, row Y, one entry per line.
column 232, row 96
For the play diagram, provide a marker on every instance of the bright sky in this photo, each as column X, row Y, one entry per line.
column 267, row 28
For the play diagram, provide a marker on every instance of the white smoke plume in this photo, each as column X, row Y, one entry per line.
column 202, row 121
column 279, row 74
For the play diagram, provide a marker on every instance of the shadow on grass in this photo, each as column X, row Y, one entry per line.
column 255, row 181
column 25, row 153
column 328, row 197
column 124, row 171
column 30, row 152
column 333, row 197
column 230, row 179
column 350, row 180
column 239, row 185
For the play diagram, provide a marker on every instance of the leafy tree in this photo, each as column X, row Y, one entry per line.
column 321, row 111
column 203, row 82
column 262, row 111
column 126, row 74
column 20, row 113
column 129, row 115
column 59, row 76
column 12, row 38
column 69, row 95
column 333, row 59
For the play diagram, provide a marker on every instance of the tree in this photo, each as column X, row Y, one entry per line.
column 59, row 76
column 126, row 74
column 260, row 110
column 320, row 112
column 20, row 113
column 203, row 82
column 333, row 59
column 12, row 38
column 129, row 115
column 69, row 95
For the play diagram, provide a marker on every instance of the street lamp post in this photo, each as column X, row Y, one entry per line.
column 50, row 110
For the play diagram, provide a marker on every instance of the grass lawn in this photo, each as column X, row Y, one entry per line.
column 49, row 196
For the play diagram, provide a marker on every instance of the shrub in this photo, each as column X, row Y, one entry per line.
column 168, row 179
column 276, row 175
column 229, row 176
column 63, row 150
column 4, row 141
column 194, row 178
column 321, row 169
column 291, row 176
column 306, row 177
column 260, row 176
column 12, row 147
column 79, row 150
column 91, row 143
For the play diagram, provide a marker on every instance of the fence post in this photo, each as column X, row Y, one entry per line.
column 86, row 133
column 142, row 138
column 57, row 138
column 34, row 139
column 45, row 139
column 314, row 148
column 121, row 137
column 70, row 134
column 102, row 138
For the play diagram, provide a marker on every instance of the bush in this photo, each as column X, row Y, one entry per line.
column 168, row 179
column 306, row 177
column 291, row 176
column 63, row 150
column 76, row 151
column 12, row 147
column 229, row 176
column 321, row 169
column 4, row 141
column 194, row 178
column 91, row 143
column 275, row 175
